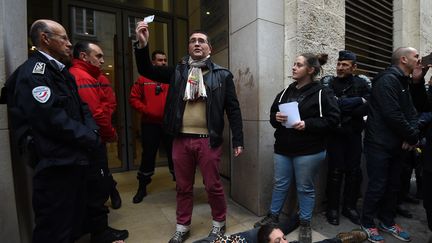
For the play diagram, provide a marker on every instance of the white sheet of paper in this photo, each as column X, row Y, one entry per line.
column 291, row 110
column 149, row 19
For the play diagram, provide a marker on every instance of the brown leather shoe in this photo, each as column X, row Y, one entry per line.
column 354, row 236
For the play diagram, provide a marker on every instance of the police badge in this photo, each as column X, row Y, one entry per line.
column 41, row 93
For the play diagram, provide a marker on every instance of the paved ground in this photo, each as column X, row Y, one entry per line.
column 153, row 220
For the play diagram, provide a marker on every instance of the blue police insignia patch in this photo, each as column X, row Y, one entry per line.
column 39, row 68
column 41, row 93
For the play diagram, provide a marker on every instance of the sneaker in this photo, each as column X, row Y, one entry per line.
column 269, row 219
column 373, row 235
column 354, row 236
column 305, row 232
column 396, row 231
column 217, row 229
column 179, row 237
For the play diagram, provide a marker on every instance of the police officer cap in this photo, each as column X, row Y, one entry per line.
column 346, row 55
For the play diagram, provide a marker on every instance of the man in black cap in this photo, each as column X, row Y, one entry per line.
column 344, row 147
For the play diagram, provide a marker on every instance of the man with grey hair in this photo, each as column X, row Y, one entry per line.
column 49, row 120
column 391, row 129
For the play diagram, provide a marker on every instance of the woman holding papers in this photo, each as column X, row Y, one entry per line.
column 302, row 114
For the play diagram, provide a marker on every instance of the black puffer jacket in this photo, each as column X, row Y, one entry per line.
column 320, row 114
column 392, row 118
column 221, row 96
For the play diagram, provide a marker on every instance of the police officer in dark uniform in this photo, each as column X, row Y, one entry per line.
column 58, row 134
column 345, row 146
column 49, row 119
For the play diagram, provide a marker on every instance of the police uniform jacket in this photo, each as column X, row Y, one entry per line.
column 44, row 104
column 349, row 92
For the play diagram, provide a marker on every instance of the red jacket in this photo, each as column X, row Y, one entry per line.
column 90, row 80
column 110, row 98
column 144, row 99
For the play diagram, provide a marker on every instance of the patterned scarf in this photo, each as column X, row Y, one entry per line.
column 195, row 87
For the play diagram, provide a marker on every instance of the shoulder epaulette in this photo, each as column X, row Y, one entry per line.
column 366, row 79
column 39, row 68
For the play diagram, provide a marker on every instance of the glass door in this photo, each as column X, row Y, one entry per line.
column 102, row 27
column 113, row 29
column 160, row 39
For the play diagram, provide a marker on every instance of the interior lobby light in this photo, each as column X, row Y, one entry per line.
column 110, row 66
column 208, row 13
column 107, row 74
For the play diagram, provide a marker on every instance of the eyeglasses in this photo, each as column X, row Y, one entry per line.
column 158, row 89
column 62, row 37
column 200, row 41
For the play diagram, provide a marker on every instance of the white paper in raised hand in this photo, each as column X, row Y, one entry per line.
column 149, row 19
column 291, row 111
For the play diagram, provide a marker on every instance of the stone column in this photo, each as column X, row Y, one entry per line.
column 265, row 37
column 256, row 60
column 412, row 26
column 406, row 19
column 425, row 38
column 13, row 51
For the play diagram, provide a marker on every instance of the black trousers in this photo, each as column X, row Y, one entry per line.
column 58, row 203
column 344, row 158
column 99, row 183
column 151, row 137
column 344, row 151
column 384, row 169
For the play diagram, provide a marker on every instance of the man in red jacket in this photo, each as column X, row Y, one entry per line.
column 92, row 88
column 148, row 97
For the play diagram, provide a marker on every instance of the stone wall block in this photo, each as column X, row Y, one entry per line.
column 271, row 68
column 246, row 175
column 245, row 69
column 270, row 10
column 242, row 13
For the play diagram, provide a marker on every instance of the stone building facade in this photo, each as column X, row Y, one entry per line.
column 264, row 38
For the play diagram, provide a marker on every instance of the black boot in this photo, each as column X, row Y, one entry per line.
column 353, row 179
column 115, row 196
column 332, row 216
column 141, row 192
column 305, row 232
column 334, row 182
column 109, row 235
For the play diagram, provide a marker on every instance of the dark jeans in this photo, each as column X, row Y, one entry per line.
column 58, row 203
column 99, row 184
column 151, row 137
column 384, row 168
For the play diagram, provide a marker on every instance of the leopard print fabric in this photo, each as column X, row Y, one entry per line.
column 229, row 239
